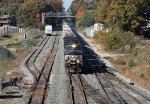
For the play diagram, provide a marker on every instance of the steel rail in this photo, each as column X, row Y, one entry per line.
column 127, row 87
column 71, row 89
column 107, row 97
column 45, row 62
column 137, row 100
column 41, row 85
column 83, row 90
column 89, row 86
column 96, row 74
column 42, row 80
column 48, row 67
column 30, row 57
column 80, row 86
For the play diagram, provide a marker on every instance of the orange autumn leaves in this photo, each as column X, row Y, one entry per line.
column 80, row 12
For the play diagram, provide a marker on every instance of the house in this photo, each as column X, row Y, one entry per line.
column 4, row 20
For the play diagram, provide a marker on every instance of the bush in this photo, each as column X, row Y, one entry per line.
column 142, row 75
column 131, row 63
column 116, row 40
column 101, row 38
column 119, row 40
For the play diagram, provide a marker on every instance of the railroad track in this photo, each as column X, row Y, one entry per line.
column 85, row 93
column 30, row 61
column 111, row 89
column 41, row 76
column 127, row 89
column 77, row 94
column 115, row 92
column 110, row 92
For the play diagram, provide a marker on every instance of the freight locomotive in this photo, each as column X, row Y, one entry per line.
column 73, row 54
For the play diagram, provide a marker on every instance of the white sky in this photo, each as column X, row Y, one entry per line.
column 67, row 4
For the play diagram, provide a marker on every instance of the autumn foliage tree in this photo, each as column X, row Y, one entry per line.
column 126, row 15
column 31, row 10
column 80, row 12
column 123, row 18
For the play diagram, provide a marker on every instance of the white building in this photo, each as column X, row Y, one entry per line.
column 90, row 31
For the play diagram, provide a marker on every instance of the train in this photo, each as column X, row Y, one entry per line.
column 48, row 30
column 73, row 54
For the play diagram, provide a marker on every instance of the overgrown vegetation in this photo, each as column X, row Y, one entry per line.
column 120, row 41
column 28, row 12
column 135, row 66
column 84, row 11
column 123, row 20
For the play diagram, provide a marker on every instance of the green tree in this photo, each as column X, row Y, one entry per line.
column 126, row 15
column 12, row 8
column 87, row 19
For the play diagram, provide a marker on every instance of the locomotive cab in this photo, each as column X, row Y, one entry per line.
column 73, row 55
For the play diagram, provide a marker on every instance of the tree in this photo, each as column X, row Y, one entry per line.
column 126, row 15
column 87, row 19
column 58, row 5
column 30, row 11
column 81, row 11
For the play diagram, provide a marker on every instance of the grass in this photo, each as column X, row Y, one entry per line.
column 30, row 42
column 135, row 66
column 6, row 65
column 14, row 43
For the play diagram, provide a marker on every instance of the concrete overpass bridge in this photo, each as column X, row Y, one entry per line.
column 55, row 17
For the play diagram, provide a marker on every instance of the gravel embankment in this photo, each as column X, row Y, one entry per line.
column 57, row 92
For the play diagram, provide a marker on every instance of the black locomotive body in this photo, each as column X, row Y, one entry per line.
column 73, row 54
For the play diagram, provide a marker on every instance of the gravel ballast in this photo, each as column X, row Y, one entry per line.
column 57, row 92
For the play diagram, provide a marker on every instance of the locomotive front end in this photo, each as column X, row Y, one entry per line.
column 73, row 57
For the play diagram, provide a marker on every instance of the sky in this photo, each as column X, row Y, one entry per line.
column 67, row 3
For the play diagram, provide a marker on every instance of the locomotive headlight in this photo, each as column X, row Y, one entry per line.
column 74, row 45
column 78, row 61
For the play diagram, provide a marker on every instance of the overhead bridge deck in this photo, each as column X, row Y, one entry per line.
column 63, row 15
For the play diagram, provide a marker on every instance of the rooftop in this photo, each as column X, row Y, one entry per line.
column 4, row 16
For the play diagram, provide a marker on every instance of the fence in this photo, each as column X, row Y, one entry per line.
column 5, row 30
